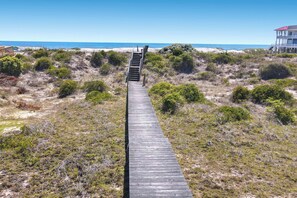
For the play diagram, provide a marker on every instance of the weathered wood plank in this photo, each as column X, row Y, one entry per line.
column 153, row 168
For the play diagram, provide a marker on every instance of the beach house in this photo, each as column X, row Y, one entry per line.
column 286, row 39
column 6, row 51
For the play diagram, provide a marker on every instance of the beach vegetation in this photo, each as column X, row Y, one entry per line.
column 183, row 63
column 282, row 114
column 67, row 88
column 62, row 72
column 207, row 76
column 286, row 55
column 40, row 53
column 62, row 56
column 96, row 59
column 232, row 114
column 161, row 89
column 190, row 93
column 177, row 49
column 97, row 85
column 240, row 94
column 260, row 94
column 116, row 58
column 275, row 71
column 211, row 67
column 97, row 97
column 42, row 64
column 105, row 69
column 10, row 66
column 156, row 63
column 170, row 102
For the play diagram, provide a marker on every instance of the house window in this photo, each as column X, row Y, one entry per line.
column 294, row 41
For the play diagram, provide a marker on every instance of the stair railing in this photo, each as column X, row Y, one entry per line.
column 130, row 63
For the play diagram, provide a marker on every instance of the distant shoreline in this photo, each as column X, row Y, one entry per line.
column 113, row 46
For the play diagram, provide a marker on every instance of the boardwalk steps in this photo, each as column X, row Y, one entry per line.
column 153, row 168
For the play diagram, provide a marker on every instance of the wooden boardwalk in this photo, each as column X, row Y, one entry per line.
column 153, row 168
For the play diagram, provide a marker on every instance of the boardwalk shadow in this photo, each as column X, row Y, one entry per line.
column 126, row 173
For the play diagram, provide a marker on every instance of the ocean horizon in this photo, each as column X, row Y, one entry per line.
column 110, row 45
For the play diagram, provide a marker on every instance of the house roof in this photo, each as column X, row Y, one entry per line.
column 291, row 27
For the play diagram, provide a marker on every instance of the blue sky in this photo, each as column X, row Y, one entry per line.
column 155, row 21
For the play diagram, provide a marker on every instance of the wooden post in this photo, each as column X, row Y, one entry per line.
column 144, row 79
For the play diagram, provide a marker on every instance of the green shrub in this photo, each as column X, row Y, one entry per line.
column 97, row 97
column 191, row 93
column 95, row 86
column 275, row 71
column 10, row 66
column 40, row 53
column 223, row 58
column 62, row 56
column 240, row 94
column 211, row 67
column 67, row 88
column 96, row 59
column 206, row 76
column 43, row 64
column 286, row 55
column 183, row 63
column 177, row 49
column 105, row 69
column 161, row 88
column 62, row 72
column 170, row 102
column 284, row 115
column 116, row 58
column 261, row 93
column 27, row 67
column 232, row 114
column 156, row 62
column 285, row 82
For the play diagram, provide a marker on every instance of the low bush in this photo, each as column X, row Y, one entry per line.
column 116, row 58
column 285, row 82
column 170, row 102
column 286, row 55
column 67, row 88
column 43, row 64
column 223, row 58
column 191, row 93
column 62, row 72
column 96, row 59
column 177, row 49
column 98, row 97
column 261, row 93
column 284, row 115
column 183, row 63
column 156, row 62
column 240, row 94
column 40, row 53
column 161, row 88
column 62, row 56
column 95, row 86
column 210, row 76
column 232, row 114
column 10, row 66
column 105, row 69
column 211, row 67
column 275, row 71
column 27, row 67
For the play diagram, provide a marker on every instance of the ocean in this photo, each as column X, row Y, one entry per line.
column 107, row 45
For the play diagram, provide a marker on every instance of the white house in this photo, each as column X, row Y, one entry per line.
column 286, row 39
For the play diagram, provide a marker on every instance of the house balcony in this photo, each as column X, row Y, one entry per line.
column 286, row 46
column 287, row 37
